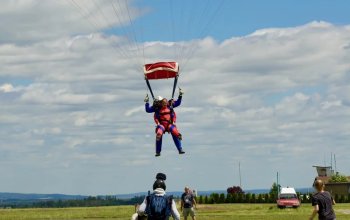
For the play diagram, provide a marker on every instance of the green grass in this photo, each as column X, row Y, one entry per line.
column 204, row 212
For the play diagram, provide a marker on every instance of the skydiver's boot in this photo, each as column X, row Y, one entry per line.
column 177, row 144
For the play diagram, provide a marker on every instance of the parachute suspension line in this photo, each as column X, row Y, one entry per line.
column 189, row 27
column 129, row 54
column 130, row 36
column 172, row 26
column 121, row 49
column 142, row 41
column 194, row 22
column 129, row 33
column 178, row 33
column 193, row 48
column 86, row 13
column 132, row 29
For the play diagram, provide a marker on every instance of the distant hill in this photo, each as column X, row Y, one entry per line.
column 32, row 197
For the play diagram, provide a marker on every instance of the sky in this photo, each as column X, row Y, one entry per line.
column 266, row 91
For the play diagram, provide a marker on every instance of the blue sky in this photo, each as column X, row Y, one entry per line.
column 266, row 86
column 237, row 18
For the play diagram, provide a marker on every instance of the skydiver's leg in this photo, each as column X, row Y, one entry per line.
column 159, row 134
column 173, row 130
column 158, row 146
column 175, row 134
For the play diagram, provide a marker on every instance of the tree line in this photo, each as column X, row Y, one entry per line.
column 216, row 198
column 91, row 201
column 234, row 195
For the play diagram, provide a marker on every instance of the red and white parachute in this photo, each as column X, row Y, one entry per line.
column 161, row 70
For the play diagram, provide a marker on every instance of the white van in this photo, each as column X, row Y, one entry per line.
column 288, row 198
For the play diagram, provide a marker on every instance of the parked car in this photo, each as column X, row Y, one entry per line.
column 288, row 198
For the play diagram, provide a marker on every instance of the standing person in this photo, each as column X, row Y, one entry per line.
column 187, row 203
column 165, row 119
column 158, row 205
column 323, row 202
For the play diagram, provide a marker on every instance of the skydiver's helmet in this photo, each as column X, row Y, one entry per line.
column 159, row 183
column 157, row 103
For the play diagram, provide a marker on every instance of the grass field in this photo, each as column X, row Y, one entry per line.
column 204, row 212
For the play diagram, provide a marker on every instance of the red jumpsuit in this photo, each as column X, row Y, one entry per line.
column 165, row 119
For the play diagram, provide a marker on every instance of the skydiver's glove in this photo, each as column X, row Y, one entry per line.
column 180, row 92
column 146, row 98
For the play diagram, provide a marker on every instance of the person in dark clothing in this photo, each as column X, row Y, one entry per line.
column 323, row 202
column 158, row 205
column 187, row 203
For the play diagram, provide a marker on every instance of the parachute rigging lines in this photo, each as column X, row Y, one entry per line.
column 195, row 25
column 105, row 16
column 125, row 25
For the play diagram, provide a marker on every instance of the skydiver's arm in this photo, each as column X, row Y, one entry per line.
column 149, row 109
column 177, row 102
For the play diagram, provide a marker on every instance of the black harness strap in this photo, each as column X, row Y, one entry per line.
column 175, row 83
column 149, row 87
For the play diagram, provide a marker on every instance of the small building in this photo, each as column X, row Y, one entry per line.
column 325, row 173
column 340, row 189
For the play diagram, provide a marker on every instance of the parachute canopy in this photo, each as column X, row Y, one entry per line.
column 161, row 70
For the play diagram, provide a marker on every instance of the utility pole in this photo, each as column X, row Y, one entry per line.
column 278, row 184
column 331, row 161
column 240, row 177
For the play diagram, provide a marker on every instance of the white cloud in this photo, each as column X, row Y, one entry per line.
column 328, row 104
column 44, row 131
column 6, row 88
column 136, row 110
column 32, row 17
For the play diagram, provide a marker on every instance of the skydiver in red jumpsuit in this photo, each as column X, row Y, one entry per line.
column 165, row 119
